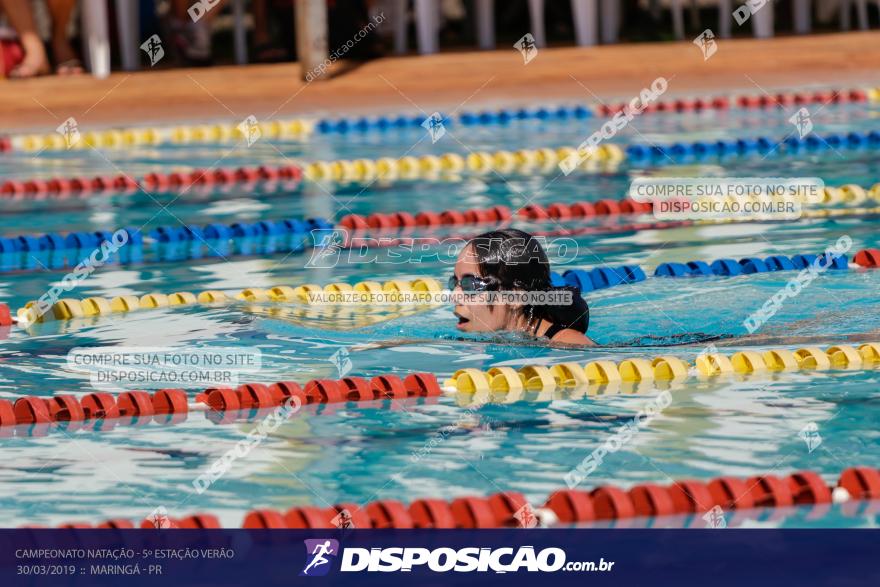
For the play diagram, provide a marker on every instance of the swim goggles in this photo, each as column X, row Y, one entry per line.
column 470, row 283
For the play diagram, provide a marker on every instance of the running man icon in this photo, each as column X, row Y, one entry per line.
column 317, row 552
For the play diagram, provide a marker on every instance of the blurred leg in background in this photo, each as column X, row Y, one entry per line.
column 66, row 60
column 191, row 27
column 20, row 17
column 266, row 50
column 346, row 18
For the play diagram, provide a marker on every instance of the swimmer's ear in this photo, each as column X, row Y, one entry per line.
column 515, row 304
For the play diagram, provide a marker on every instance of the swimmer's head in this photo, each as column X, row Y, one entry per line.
column 502, row 260
column 506, row 260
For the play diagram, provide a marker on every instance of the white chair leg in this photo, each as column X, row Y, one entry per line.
column 536, row 14
column 239, row 33
column 803, row 17
column 725, row 15
column 128, row 24
column 486, row 23
column 762, row 22
column 862, row 13
column 96, row 37
column 399, row 16
column 678, row 18
column 610, row 15
column 426, row 26
column 584, row 14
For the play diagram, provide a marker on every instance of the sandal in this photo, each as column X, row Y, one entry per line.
column 69, row 67
column 269, row 53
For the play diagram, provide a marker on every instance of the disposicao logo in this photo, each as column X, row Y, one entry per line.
column 318, row 552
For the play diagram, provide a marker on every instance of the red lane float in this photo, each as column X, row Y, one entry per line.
column 861, row 482
column 389, row 514
column 65, row 408
column 611, row 503
column 7, row 413
column 652, row 500
column 770, row 491
column 745, row 101
column 568, row 506
column 730, row 493
column 557, row 210
column 135, row 403
column 808, row 487
column 431, row 513
column 690, row 497
column 5, row 315
column 572, row 506
column 248, row 396
column 310, row 517
column 31, row 410
column 69, row 186
column 867, row 258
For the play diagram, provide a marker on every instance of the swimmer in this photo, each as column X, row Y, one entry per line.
column 511, row 260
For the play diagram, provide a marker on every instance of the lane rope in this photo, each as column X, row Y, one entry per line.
column 365, row 291
column 58, row 251
column 552, row 377
column 446, row 167
column 79, row 186
column 851, row 195
column 469, row 387
column 152, row 136
column 301, row 129
column 423, row 290
column 689, row 498
column 165, row 244
column 228, row 402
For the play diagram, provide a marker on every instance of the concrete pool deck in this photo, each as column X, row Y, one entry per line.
column 444, row 82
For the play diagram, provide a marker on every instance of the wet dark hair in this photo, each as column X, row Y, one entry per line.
column 515, row 260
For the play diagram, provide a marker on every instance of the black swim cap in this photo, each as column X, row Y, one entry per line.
column 515, row 260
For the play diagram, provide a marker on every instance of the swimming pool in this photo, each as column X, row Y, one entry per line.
column 351, row 453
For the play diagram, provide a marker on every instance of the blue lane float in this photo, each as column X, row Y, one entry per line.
column 578, row 279
column 749, row 265
column 166, row 234
column 803, row 261
column 779, row 263
column 726, row 267
column 753, row 265
column 762, row 145
column 56, row 251
column 699, row 268
column 466, row 118
column 587, row 280
column 672, row 270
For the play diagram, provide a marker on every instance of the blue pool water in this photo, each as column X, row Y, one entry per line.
column 444, row 447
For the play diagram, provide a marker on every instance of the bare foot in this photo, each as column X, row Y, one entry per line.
column 34, row 63
column 27, row 69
